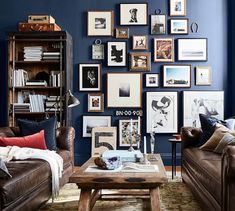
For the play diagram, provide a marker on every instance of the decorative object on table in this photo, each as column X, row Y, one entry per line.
column 177, row 7
column 177, row 136
column 203, row 76
column 128, row 113
column 40, row 19
column 90, row 77
column 116, row 53
column 140, row 61
column 152, row 146
column 162, row 110
column 158, row 24
column 210, row 103
column 194, row 27
column 179, row 26
column 98, row 50
column 164, row 50
column 133, row 14
column 95, row 102
column 89, row 122
column 103, row 138
column 122, row 33
column 140, row 42
column 100, row 23
column 177, row 75
column 144, row 159
column 124, row 90
column 152, row 80
column 192, row 49
column 26, row 27
column 108, row 163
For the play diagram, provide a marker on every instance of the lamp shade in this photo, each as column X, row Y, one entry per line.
column 72, row 101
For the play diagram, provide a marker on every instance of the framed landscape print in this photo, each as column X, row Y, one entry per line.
column 177, row 7
column 210, row 103
column 203, row 76
column 140, row 61
column 134, row 14
column 164, row 50
column 90, row 77
column 177, row 76
column 192, row 49
column 140, row 42
column 95, row 102
column 152, row 80
column 158, row 24
column 179, row 26
column 162, row 110
column 122, row 33
column 116, row 53
column 124, row 90
column 100, row 23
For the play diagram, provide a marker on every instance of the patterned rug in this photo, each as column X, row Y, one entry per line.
column 174, row 196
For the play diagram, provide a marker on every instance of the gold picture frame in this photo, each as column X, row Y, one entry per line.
column 95, row 102
column 140, row 61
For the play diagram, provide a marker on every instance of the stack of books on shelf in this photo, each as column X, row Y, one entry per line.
column 21, row 107
column 51, row 55
column 33, row 53
column 52, row 103
column 37, row 103
column 55, row 78
column 36, row 83
column 20, row 77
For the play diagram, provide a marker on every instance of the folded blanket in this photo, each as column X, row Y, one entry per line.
column 4, row 173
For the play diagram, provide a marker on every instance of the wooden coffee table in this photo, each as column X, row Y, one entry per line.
column 88, row 181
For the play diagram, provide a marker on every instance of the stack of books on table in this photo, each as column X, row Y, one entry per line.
column 21, row 107
column 36, row 83
column 51, row 55
column 52, row 103
column 20, row 77
column 37, row 103
column 33, row 53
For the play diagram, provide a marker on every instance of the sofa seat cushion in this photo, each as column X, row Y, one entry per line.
column 26, row 176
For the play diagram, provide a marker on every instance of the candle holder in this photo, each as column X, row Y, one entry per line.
column 131, row 149
column 152, row 145
column 144, row 160
column 138, row 139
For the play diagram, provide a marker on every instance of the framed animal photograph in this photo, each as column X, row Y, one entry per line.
column 140, row 42
column 203, row 76
column 179, row 26
column 164, row 50
column 152, row 80
column 140, row 61
column 116, row 54
column 158, row 24
column 100, row 23
column 122, row 33
column 95, row 102
column 134, row 14
column 177, row 7
column 90, row 77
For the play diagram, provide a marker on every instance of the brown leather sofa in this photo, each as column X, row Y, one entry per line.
column 210, row 176
column 30, row 185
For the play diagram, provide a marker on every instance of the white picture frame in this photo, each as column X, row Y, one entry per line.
column 140, row 42
column 203, row 76
column 152, row 80
column 177, row 7
column 116, row 53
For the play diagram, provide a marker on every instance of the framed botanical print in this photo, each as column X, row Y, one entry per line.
column 177, row 7
column 95, row 102
column 140, row 61
column 162, row 112
column 100, row 23
column 122, row 33
column 158, row 24
column 116, row 53
column 90, row 77
column 134, row 14
column 179, row 26
column 124, row 90
column 203, row 76
column 140, row 42
column 152, row 80
column 164, row 50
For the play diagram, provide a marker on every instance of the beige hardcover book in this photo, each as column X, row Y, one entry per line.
column 40, row 19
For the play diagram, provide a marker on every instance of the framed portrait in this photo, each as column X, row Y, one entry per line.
column 162, row 110
column 152, row 80
column 158, row 24
column 179, row 26
column 192, row 49
column 177, row 7
column 103, row 138
column 100, row 23
column 90, row 122
column 122, row 33
column 210, row 103
column 203, row 76
column 164, row 50
column 125, row 131
column 140, row 42
column 116, row 53
column 140, row 61
column 177, row 76
column 124, row 90
column 95, row 102
column 134, row 14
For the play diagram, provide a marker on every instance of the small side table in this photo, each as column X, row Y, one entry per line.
column 173, row 154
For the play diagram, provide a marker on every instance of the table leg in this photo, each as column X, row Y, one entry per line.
column 84, row 203
column 154, row 199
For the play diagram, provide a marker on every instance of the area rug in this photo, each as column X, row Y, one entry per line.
column 174, row 196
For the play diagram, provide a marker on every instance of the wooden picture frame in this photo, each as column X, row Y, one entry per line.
column 140, row 61
column 152, row 80
column 158, row 24
column 122, row 33
column 203, row 76
column 179, row 26
column 116, row 53
column 95, row 102
column 140, row 42
column 164, row 50
column 177, row 7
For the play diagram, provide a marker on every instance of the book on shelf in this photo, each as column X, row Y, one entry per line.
column 37, row 102
column 22, row 107
column 20, row 76
column 33, row 53
column 36, row 83
column 55, row 78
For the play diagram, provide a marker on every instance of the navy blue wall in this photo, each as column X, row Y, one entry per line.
column 211, row 16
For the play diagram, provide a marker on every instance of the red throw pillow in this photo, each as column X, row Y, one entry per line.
column 36, row 140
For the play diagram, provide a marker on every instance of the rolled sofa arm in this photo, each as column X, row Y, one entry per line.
column 190, row 136
column 65, row 138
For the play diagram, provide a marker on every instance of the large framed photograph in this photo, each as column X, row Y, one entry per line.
column 140, row 42
column 122, row 33
column 116, row 53
column 158, row 24
column 90, row 77
column 177, row 76
column 100, row 23
column 90, row 122
column 203, row 76
column 134, row 14
column 210, row 103
column 164, row 50
column 162, row 112
column 95, row 102
column 140, row 61
column 192, row 49
column 124, row 90
column 179, row 26
column 152, row 80
column 177, row 7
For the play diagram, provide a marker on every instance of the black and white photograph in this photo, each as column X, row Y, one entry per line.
column 203, row 76
column 122, row 33
column 162, row 112
column 158, row 24
column 116, row 53
column 177, row 7
column 210, row 103
column 152, row 80
column 179, row 26
column 90, row 77
column 134, row 14
column 98, row 51
column 140, row 42
column 124, row 90
column 140, row 61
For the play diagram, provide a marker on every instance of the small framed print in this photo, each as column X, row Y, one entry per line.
column 179, row 26
column 116, row 54
column 177, row 7
column 100, row 23
column 140, row 42
column 164, row 50
column 158, row 24
column 98, row 51
column 203, row 76
column 95, row 102
column 90, row 77
column 152, row 80
column 122, row 33
column 140, row 61
column 134, row 14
